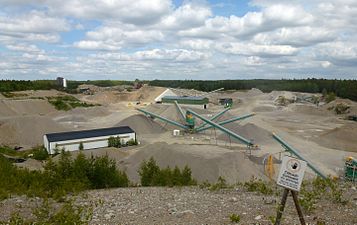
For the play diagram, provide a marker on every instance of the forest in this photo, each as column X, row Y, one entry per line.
column 342, row 88
column 23, row 85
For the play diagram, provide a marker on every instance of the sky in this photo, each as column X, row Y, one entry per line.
column 178, row 39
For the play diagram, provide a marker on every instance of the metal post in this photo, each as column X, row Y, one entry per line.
column 214, row 117
column 297, row 154
column 281, row 207
column 223, row 129
column 298, row 208
column 224, row 122
column 164, row 119
column 182, row 114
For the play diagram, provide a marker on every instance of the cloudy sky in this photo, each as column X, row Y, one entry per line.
column 178, row 39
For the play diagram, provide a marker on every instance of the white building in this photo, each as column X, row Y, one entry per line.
column 97, row 138
column 62, row 82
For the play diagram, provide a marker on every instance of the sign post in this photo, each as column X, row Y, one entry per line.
column 290, row 177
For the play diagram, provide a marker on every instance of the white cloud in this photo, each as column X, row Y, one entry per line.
column 139, row 12
column 33, row 22
column 249, row 49
column 269, row 19
column 83, row 38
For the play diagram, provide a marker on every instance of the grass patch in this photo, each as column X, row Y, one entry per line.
column 312, row 192
column 68, row 102
column 258, row 185
column 46, row 213
column 13, row 95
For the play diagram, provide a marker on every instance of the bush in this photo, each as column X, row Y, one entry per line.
column 234, row 218
column 330, row 97
column 67, row 102
column 132, row 142
column 341, row 108
column 151, row 175
column 257, row 185
column 67, row 214
column 114, row 142
column 58, row 179
column 40, row 153
column 320, row 188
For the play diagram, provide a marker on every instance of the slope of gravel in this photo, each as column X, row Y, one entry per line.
column 207, row 162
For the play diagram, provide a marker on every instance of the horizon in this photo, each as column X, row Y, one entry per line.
column 178, row 39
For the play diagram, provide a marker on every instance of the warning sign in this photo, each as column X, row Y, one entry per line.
column 291, row 173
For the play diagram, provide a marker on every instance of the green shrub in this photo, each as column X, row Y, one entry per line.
column 220, row 184
column 40, row 153
column 257, row 185
column 67, row 102
column 151, row 175
column 132, row 142
column 114, row 142
column 47, row 214
column 81, row 147
column 60, row 178
column 330, row 97
column 312, row 192
column 341, row 108
column 234, row 218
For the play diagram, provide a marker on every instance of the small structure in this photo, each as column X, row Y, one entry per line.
column 227, row 102
column 187, row 100
column 90, row 139
column 61, row 82
column 167, row 92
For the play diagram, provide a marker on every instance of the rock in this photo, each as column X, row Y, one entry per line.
column 185, row 213
column 258, row 217
column 172, row 210
column 233, row 199
column 109, row 216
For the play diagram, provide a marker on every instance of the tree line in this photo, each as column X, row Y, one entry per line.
column 342, row 88
column 23, row 85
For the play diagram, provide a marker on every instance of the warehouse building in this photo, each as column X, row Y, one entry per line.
column 187, row 100
column 90, row 139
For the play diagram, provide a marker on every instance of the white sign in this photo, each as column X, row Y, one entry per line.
column 291, row 173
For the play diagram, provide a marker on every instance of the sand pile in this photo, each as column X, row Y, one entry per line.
column 25, row 107
column 274, row 95
column 207, row 162
column 141, row 124
column 27, row 131
column 342, row 138
column 248, row 131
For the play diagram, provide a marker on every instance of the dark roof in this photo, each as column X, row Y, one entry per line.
column 72, row 135
column 185, row 97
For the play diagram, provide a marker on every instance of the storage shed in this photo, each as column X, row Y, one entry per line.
column 187, row 100
column 90, row 139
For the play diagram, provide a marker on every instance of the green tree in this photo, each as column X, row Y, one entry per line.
column 80, row 146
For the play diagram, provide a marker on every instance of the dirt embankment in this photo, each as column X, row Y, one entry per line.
column 141, row 124
column 25, row 107
column 342, row 138
column 206, row 162
column 27, row 131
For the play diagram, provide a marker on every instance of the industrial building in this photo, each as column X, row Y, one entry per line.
column 167, row 92
column 62, row 82
column 187, row 100
column 90, row 139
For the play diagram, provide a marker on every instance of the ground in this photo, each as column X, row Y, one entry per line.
column 191, row 205
column 322, row 137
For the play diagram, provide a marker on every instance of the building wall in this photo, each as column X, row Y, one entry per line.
column 185, row 101
column 88, row 143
